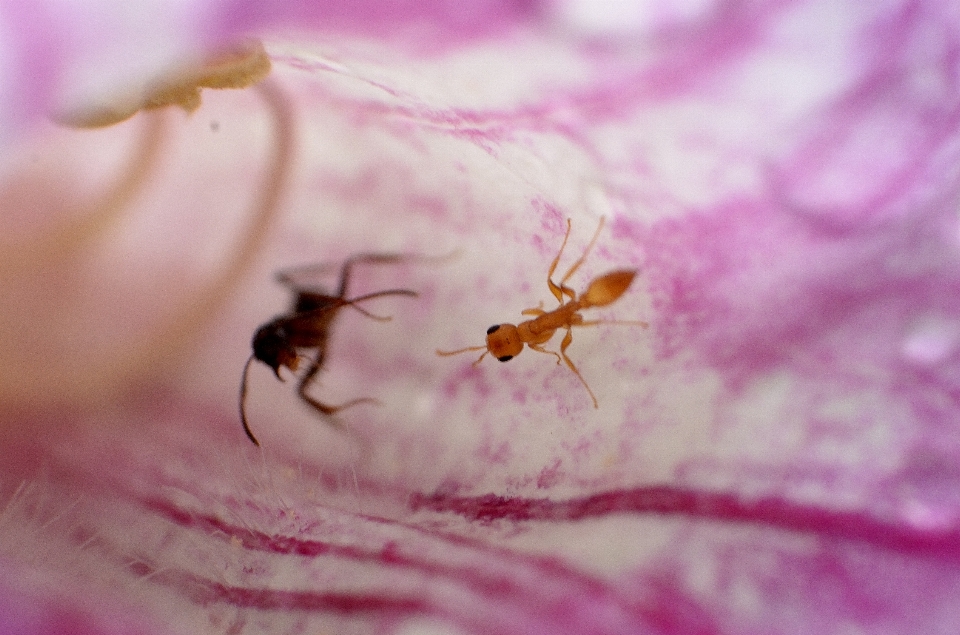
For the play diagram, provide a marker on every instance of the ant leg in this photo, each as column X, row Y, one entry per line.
column 539, row 348
column 558, row 291
column 322, row 305
column 563, row 351
column 379, row 318
column 538, row 310
column 618, row 322
column 286, row 277
column 319, row 406
column 586, row 251
column 367, row 258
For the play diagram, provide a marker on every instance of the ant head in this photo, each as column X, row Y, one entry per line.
column 271, row 345
column 503, row 341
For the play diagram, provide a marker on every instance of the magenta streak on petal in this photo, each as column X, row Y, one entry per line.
column 205, row 592
column 563, row 600
column 770, row 512
column 615, row 95
column 454, row 20
column 687, row 59
column 880, row 140
column 752, row 290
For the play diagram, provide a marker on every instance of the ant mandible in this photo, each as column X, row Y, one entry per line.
column 505, row 341
column 307, row 326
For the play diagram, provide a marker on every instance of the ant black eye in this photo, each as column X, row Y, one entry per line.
column 492, row 329
column 505, row 358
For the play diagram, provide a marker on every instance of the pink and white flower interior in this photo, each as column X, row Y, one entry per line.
column 777, row 452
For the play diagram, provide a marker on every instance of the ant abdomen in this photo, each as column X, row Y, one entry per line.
column 608, row 288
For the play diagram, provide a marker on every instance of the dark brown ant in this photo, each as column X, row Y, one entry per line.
column 505, row 341
column 306, row 327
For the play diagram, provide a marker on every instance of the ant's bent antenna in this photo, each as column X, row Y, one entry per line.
column 243, row 400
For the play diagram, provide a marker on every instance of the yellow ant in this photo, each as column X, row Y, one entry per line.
column 505, row 341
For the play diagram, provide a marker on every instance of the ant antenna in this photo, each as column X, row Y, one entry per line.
column 243, row 400
column 466, row 350
column 378, row 318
